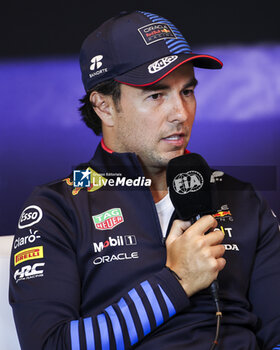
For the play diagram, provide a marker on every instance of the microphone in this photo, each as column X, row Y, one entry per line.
column 188, row 178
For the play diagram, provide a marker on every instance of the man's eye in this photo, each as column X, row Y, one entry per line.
column 155, row 96
column 188, row 92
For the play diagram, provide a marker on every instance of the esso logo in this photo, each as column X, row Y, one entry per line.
column 30, row 216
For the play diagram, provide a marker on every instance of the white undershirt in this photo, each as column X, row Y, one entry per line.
column 165, row 210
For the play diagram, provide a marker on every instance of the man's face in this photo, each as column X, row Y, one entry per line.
column 155, row 122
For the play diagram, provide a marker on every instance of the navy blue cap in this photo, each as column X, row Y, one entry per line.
column 136, row 48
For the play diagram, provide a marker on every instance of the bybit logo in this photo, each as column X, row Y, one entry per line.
column 96, row 62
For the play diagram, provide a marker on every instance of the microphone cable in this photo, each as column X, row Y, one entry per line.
column 214, row 288
column 188, row 178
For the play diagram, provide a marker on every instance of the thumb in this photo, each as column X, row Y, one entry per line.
column 177, row 229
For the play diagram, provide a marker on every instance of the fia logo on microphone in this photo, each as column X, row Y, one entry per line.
column 191, row 181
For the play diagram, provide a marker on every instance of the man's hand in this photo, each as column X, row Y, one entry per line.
column 194, row 256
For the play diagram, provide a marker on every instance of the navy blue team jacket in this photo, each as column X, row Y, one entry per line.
column 88, row 269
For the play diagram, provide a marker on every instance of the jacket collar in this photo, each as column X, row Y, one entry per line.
column 106, row 161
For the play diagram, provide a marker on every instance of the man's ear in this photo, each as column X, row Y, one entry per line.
column 103, row 106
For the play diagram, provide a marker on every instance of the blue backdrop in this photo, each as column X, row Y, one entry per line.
column 237, row 126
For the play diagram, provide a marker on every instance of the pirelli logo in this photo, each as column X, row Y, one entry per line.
column 28, row 254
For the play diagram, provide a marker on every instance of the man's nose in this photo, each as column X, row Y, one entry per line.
column 178, row 110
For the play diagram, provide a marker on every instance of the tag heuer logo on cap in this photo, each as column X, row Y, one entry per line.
column 108, row 219
column 161, row 64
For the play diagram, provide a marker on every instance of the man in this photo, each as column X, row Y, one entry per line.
column 102, row 269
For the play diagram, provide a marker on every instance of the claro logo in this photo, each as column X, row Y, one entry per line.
column 30, row 216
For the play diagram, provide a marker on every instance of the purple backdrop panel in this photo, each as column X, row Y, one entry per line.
column 238, row 116
column 42, row 136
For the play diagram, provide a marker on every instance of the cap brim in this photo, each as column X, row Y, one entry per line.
column 141, row 76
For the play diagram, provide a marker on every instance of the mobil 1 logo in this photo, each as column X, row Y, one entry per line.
column 118, row 241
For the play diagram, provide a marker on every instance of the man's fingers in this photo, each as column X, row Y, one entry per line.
column 217, row 251
column 199, row 228
column 216, row 265
column 202, row 225
column 214, row 237
column 221, row 263
column 177, row 229
column 195, row 255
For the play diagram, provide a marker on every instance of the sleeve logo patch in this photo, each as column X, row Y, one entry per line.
column 28, row 254
column 30, row 216
column 28, row 272
column 154, row 32
column 108, row 219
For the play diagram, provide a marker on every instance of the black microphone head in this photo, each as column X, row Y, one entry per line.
column 188, row 179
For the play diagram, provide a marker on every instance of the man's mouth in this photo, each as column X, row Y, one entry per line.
column 175, row 139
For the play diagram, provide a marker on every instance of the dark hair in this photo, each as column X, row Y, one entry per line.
column 92, row 120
